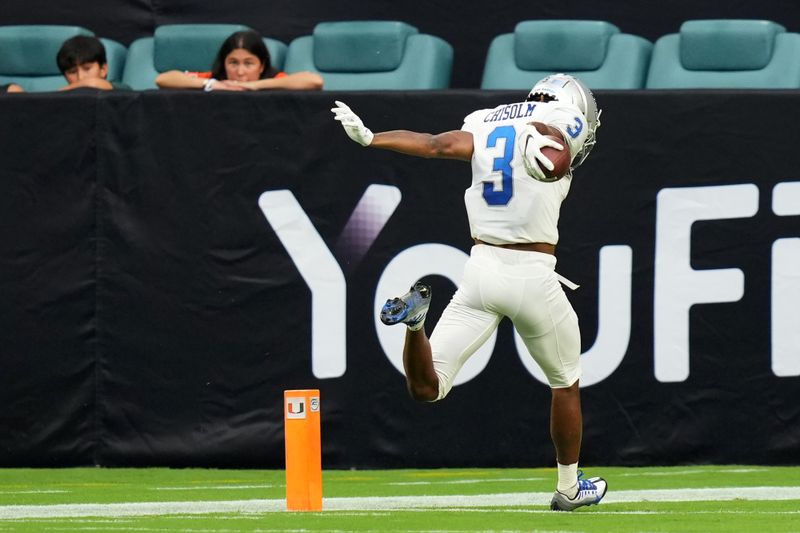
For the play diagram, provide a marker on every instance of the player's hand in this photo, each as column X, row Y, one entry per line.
column 352, row 125
column 530, row 143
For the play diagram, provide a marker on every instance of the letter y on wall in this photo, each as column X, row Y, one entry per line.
column 320, row 269
column 321, row 273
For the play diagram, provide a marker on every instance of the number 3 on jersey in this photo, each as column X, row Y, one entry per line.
column 502, row 165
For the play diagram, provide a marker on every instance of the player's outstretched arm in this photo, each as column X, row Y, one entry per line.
column 455, row 144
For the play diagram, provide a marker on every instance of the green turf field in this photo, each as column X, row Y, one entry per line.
column 701, row 499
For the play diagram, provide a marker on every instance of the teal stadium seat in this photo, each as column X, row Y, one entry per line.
column 372, row 55
column 28, row 55
column 741, row 54
column 593, row 50
column 190, row 47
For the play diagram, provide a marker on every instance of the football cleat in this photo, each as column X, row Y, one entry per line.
column 410, row 308
column 590, row 492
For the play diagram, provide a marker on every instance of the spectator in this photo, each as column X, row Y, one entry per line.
column 82, row 61
column 11, row 88
column 242, row 64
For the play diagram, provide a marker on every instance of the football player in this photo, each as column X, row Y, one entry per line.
column 513, row 210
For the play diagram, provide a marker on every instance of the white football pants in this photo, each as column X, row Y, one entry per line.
column 524, row 287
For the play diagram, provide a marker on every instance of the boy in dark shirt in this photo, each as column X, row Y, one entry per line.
column 82, row 61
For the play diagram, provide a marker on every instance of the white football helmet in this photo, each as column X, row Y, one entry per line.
column 569, row 89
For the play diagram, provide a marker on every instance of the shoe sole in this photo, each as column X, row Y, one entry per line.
column 396, row 310
column 390, row 316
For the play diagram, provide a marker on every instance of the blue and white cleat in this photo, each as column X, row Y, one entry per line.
column 590, row 492
column 410, row 308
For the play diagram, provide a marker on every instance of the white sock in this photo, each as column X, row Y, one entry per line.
column 418, row 326
column 568, row 479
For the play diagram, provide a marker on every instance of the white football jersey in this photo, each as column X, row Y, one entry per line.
column 504, row 204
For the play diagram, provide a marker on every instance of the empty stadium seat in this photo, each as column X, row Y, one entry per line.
column 744, row 54
column 190, row 47
column 29, row 52
column 372, row 55
column 595, row 51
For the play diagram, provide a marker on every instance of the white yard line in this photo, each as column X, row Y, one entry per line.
column 51, row 491
column 387, row 503
column 465, row 481
column 643, row 473
column 216, row 487
column 703, row 471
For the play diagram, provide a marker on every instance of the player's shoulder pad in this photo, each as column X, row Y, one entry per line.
column 476, row 117
column 573, row 129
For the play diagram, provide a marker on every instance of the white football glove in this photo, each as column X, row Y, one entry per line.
column 530, row 143
column 352, row 125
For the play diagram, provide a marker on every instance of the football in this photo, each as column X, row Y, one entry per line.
column 561, row 160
